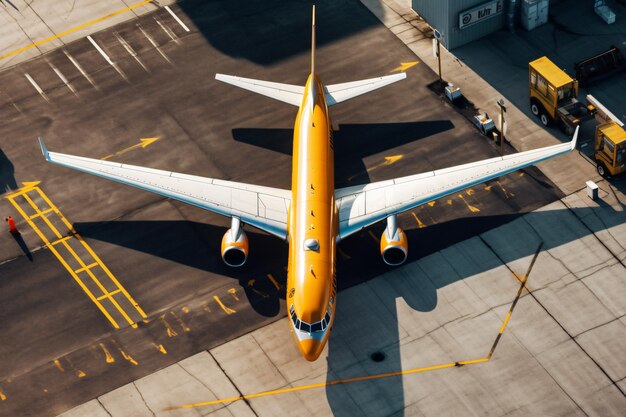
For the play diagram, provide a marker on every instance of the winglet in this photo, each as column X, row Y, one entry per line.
column 574, row 139
column 44, row 150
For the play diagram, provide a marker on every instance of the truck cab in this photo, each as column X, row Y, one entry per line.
column 553, row 96
column 610, row 149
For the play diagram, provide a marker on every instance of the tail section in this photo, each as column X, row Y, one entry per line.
column 313, row 43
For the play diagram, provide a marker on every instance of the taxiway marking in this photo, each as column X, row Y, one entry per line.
column 36, row 86
column 180, row 22
column 62, row 77
column 405, row 66
column 143, row 143
column 381, row 375
column 31, row 192
column 227, row 310
column 80, row 69
column 74, row 29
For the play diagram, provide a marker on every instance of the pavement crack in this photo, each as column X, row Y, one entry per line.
column 245, row 400
column 600, row 325
column 143, row 399
column 103, row 407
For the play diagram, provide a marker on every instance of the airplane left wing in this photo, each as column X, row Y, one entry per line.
column 363, row 205
column 287, row 93
column 262, row 207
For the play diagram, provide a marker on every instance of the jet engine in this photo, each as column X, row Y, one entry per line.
column 394, row 246
column 235, row 244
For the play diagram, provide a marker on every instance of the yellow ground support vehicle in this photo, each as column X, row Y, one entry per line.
column 610, row 141
column 553, row 96
column 610, row 149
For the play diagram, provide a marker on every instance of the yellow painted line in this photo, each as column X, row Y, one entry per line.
column 33, row 187
column 2, row 396
column 170, row 330
column 128, row 357
column 419, row 222
column 375, row 376
column 181, row 322
column 86, row 267
column 74, row 29
column 276, row 284
column 160, row 348
column 469, row 206
column 42, row 213
column 108, row 357
column 108, row 295
column 80, row 374
column 227, row 310
column 373, row 236
column 432, row 203
column 57, row 363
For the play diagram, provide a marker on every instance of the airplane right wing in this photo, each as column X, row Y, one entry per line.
column 363, row 205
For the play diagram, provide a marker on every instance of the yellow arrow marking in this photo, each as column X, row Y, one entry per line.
column 257, row 292
column 233, row 292
column 26, row 186
column 128, row 357
column 419, row 222
column 185, row 309
column 107, row 354
column 469, row 206
column 507, row 194
column 57, row 363
column 388, row 161
column 2, row 396
column 227, row 310
column 160, row 348
column 432, row 203
column 170, row 332
column 143, row 143
column 404, row 66
column 276, row 284
column 80, row 374
column 181, row 322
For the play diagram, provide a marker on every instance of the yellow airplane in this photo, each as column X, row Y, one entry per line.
column 313, row 217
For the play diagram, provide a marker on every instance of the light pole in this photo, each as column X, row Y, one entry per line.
column 502, row 111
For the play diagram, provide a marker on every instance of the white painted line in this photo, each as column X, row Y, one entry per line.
column 180, row 22
column 167, row 31
column 39, row 90
column 62, row 77
column 100, row 50
column 130, row 50
column 156, row 46
column 80, row 69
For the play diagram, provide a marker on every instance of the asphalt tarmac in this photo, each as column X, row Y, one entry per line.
column 57, row 348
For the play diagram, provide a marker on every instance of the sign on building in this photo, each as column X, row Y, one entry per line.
column 480, row 13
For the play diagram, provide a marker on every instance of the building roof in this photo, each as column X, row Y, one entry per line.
column 555, row 75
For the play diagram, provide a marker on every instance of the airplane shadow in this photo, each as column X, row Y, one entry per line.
column 265, row 32
column 197, row 245
column 353, row 142
column 7, row 174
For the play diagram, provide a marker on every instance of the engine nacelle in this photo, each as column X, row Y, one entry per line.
column 235, row 245
column 394, row 246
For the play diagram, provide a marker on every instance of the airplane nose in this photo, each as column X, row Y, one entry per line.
column 311, row 349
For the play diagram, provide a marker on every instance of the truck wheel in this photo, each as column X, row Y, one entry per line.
column 534, row 108
column 601, row 170
column 545, row 119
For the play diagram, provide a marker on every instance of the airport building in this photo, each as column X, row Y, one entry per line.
column 463, row 21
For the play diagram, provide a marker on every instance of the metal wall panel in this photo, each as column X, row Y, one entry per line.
column 444, row 16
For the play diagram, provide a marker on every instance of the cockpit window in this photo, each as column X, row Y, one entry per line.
column 319, row 326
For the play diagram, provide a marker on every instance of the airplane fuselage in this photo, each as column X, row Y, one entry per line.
column 312, row 225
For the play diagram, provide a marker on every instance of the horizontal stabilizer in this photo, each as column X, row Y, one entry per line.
column 290, row 94
column 337, row 93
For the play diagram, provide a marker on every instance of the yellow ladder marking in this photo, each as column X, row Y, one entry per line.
column 382, row 375
column 63, row 239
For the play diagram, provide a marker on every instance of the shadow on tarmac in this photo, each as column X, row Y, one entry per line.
column 353, row 142
column 168, row 239
column 256, row 30
column 7, row 174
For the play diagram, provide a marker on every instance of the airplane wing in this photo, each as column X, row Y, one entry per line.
column 363, row 205
column 262, row 207
column 288, row 93
column 337, row 93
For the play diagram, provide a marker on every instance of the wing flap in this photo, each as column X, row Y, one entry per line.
column 287, row 93
column 262, row 207
column 364, row 205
